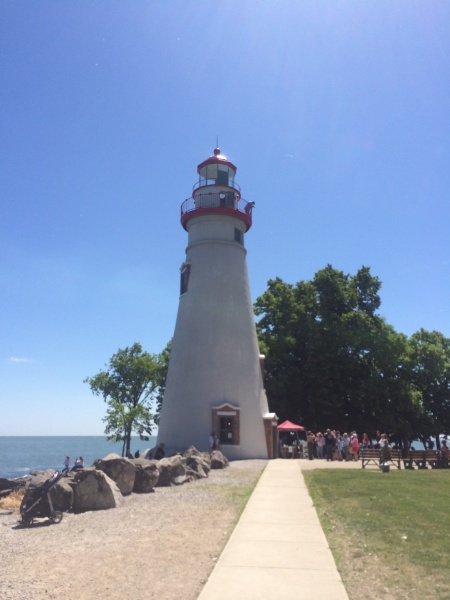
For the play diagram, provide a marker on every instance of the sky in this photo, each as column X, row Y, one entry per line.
column 336, row 114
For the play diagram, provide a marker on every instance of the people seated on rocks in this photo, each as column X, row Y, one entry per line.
column 160, row 452
column 79, row 463
column 137, row 454
column 128, row 454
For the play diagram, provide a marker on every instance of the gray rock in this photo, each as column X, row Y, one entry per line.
column 94, row 490
column 198, row 464
column 62, row 494
column 38, row 477
column 218, row 460
column 119, row 469
column 170, row 469
column 147, row 475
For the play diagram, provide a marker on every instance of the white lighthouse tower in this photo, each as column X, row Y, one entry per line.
column 214, row 382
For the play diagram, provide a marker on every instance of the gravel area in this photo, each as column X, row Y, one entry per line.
column 161, row 545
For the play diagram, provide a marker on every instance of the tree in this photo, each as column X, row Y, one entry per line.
column 128, row 387
column 331, row 360
column 429, row 354
column 164, row 359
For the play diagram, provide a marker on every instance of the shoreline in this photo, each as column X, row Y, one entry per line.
column 161, row 545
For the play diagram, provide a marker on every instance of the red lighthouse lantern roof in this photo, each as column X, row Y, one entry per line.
column 217, row 158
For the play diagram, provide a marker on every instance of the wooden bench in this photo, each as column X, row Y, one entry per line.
column 373, row 456
column 416, row 458
column 425, row 459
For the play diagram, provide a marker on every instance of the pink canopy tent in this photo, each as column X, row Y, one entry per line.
column 289, row 426
column 289, row 430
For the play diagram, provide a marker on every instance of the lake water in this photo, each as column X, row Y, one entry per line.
column 20, row 454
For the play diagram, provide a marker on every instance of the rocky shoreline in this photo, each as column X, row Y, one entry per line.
column 157, row 545
column 104, row 485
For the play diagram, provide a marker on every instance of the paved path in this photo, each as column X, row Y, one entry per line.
column 278, row 548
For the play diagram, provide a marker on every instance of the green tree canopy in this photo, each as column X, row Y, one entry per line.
column 331, row 360
column 429, row 364
column 128, row 387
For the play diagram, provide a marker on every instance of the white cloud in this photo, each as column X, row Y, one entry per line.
column 15, row 359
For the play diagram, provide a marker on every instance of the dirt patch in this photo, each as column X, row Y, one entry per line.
column 162, row 545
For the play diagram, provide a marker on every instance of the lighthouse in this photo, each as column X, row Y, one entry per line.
column 214, row 380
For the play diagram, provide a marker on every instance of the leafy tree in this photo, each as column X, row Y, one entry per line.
column 164, row 359
column 429, row 363
column 331, row 360
column 128, row 387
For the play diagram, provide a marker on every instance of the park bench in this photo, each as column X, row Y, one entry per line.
column 424, row 459
column 419, row 459
column 373, row 456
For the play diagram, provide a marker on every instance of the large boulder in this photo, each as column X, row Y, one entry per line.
column 37, row 478
column 171, row 471
column 119, row 469
column 146, row 477
column 62, row 493
column 94, row 490
column 218, row 460
column 198, row 464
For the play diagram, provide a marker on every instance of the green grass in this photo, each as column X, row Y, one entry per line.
column 389, row 529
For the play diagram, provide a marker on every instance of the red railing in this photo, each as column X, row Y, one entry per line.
column 224, row 202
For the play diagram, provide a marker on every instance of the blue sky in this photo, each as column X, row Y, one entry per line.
column 337, row 115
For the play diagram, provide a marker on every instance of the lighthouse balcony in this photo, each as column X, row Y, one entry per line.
column 226, row 203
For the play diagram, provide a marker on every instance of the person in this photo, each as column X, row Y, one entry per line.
column 79, row 463
column 249, row 207
column 137, row 454
column 365, row 441
column 377, row 445
column 330, row 443
column 160, row 452
column 385, row 449
column 319, row 445
column 340, row 446
column 66, row 464
column 213, row 441
column 444, row 453
column 128, row 454
column 345, row 447
column 310, row 438
column 354, row 446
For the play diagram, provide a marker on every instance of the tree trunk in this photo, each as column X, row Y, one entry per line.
column 438, row 441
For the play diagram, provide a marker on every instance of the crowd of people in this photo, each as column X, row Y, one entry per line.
column 332, row 445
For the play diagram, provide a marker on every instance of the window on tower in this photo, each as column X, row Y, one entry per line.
column 238, row 236
column 184, row 277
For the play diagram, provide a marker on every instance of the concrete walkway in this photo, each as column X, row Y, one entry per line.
column 278, row 548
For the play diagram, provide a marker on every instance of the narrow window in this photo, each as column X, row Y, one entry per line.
column 237, row 235
column 184, row 278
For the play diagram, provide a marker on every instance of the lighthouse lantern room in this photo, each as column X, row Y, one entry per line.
column 214, row 381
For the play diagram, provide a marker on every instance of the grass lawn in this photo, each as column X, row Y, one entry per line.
column 389, row 532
